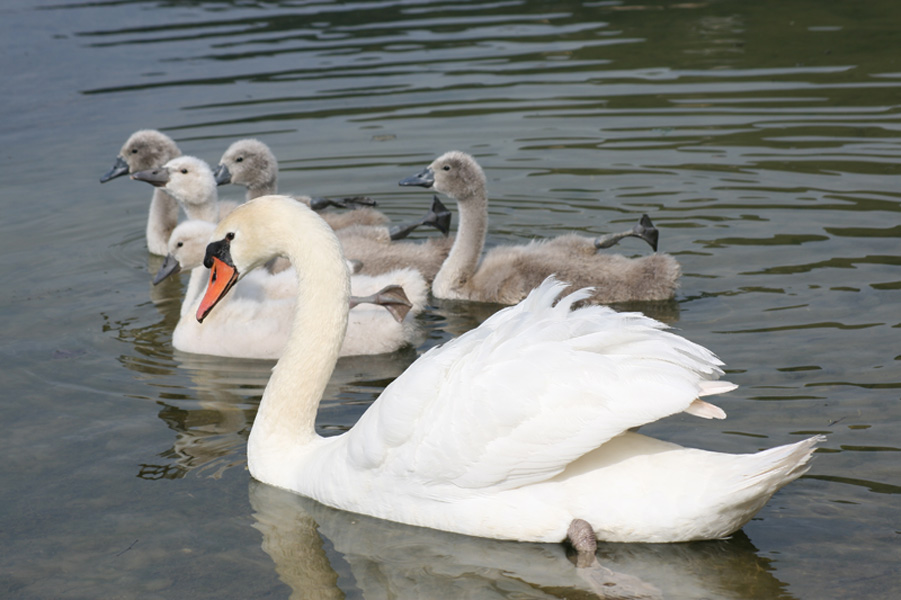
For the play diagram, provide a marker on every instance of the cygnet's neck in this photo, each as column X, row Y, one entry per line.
column 265, row 188
column 463, row 260
column 161, row 220
column 203, row 208
column 286, row 418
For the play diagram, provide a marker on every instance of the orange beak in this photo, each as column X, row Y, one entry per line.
column 222, row 278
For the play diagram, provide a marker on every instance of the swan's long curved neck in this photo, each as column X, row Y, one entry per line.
column 267, row 188
column 196, row 286
column 161, row 221
column 199, row 204
column 285, row 421
column 204, row 211
column 463, row 260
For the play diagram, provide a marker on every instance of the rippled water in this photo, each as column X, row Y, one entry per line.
column 762, row 138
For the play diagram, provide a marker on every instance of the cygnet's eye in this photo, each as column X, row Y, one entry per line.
column 179, row 244
column 446, row 167
column 184, row 170
column 134, row 150
column 230, row 236
column 239, row 159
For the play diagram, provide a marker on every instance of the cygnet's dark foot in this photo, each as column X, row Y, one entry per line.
column 391, row 297
column 438, row 217
column 350, row 202
column 644, row 230
column 581, row 539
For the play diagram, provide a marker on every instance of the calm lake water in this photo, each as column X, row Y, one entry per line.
column 763, row 138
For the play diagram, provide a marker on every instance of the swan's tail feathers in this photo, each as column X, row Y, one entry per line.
column 771, row 469
column 711, row 387
column 705, row 410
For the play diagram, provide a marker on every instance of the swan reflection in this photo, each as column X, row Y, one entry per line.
column 212, row 414
column 320, row 552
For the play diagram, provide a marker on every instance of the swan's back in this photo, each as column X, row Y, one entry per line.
column 507, row 273
column 377, row 254
column 482, row 413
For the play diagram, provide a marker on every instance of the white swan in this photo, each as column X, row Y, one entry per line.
column 190, row 181
column 507, row 273
column 517, row 429
column 147, row 149
column 255, row 320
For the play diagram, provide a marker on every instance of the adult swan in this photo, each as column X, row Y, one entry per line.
column 518, row 429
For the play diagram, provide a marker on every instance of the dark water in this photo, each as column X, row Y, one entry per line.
column 763, row 138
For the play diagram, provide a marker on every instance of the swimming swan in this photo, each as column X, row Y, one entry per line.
column 251, row 163
column 518, row 429
column 147, row 149
column 507, row 273
column 255, row 320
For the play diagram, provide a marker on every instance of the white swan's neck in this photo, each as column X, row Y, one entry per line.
column 285, row 423
column 196, row 285
column 463, row 260
column 161, row 221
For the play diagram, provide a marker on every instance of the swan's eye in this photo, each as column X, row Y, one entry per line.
column 230, row 236
column 239, row 159
column 446, row 167
column 184, row 171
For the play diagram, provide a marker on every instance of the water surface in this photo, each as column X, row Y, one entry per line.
column 762, row 138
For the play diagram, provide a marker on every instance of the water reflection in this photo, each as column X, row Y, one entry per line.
column 210, row 402
column 320, row 552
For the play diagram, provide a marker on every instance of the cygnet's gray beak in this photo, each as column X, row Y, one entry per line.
column 425, row 178
column 222, row 175
column 158, row 177
column 170, row 266
column 119, row 168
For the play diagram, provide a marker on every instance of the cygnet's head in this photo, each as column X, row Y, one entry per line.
column 145, row 149
column 186, row 246
column 188, row 241
column 187, row 178
column 249, row 163
column 454, row 173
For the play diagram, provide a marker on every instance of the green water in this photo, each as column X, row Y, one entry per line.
column 762, row 138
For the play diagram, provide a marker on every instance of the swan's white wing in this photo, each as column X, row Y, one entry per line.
column 523, row 395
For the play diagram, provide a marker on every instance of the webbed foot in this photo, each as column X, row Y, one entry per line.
column 644, row 230
column 438, row 217
column 391, row 297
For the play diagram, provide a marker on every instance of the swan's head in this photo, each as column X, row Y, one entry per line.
column 262, row 229
column 187, row 247
column 145, row 149
column 187, row 178
column 249, row 163
column 454, row 173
